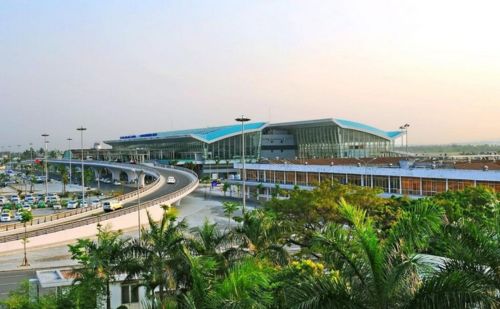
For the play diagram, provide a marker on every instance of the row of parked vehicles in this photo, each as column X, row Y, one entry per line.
column 12, row 206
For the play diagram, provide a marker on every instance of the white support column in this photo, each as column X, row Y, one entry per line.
column 421, row 189
column 389, row 184
column 400, row 186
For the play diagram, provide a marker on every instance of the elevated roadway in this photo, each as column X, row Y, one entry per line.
column 158, row 193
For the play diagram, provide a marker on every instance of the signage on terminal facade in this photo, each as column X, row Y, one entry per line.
column 139, row 136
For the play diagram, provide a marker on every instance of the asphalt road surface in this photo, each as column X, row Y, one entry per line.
column 10, row 280
column 182, row 181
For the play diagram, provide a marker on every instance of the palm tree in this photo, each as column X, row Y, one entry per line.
column 258, row 189
column 163, row 255
column 63, row 172
column 369, row 272
column 209, row 241
column 229, row 209
column 104, row 256
column 203, row 277
column 26, row 216
column 262, row 236
column 225, row 187
column 247, row 285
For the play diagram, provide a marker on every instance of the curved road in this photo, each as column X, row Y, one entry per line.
column 182, row 181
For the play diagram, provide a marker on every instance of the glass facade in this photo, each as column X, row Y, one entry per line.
column 329, row 140
column 315, row 139
column 389, row 184
column 192, row 149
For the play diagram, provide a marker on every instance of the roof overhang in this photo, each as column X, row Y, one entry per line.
column 346, row 124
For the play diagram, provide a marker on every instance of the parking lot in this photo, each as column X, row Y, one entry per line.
column 16, row 197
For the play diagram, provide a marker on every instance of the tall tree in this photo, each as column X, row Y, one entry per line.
column 263, row 236
column 63, row 173
column 370, row 272
column 26, row 216
column 162, row 253
column 229, row 209
column 104, row 256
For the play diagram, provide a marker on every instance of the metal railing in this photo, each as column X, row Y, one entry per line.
column 102, row 217
column 65, row 214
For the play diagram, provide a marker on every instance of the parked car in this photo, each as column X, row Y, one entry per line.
column 53, row 196
column 95, row 203
column 26, row 207
column 52, row 199
column 18, row 216
column 15, row 198
column 72, row 204
column 57, row 206
column 117, row 183
column 29, row 199
column 5, row 217
column 83, row 204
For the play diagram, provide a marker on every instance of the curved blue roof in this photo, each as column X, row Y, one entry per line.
column 366, row 128
column 207, row 135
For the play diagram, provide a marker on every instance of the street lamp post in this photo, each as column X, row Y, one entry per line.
column 98, row 171
column 138, row 174
column 243, row 119
column 405, row 129
column 32, row 163
column 365, row 163
column 81, row 129
column 69, row 139
column 45, row 135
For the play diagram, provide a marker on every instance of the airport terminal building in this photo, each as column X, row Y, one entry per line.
column 323, row 138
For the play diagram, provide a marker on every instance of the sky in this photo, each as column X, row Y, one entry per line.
column 123, row 67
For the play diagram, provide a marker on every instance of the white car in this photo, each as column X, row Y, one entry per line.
column 52, row 199
column 53, row 196
column 5, row 217
column 29, row 199
column 26, row 207
column 72, row 204
column 170, row 180
column 18, row 216
column 95, row 203
column 57, row 206
column 15, row 199
column 3, row 200
column 117, row 183
column 83, row 204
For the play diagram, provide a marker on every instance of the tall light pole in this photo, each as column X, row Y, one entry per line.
column 45, row 135
column 365, row 176
column 405, row 129
column 97, row 147
column 69, row 139
column 243, row 119
column 81, row 129
column 32, row 166
column 138, row 174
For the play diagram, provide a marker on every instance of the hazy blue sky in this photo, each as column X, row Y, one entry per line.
column 121, row 67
